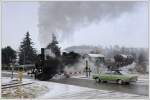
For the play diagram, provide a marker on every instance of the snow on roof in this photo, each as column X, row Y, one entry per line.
column 96, row 55
column 63, row 50
column 125, row 56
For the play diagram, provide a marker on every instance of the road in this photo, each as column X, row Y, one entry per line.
column 135, row 88
column 141, row 87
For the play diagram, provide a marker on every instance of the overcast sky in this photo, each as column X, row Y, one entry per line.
column 130, row 29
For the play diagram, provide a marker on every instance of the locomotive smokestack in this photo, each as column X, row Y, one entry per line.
column 42, row 54
column 42, row 57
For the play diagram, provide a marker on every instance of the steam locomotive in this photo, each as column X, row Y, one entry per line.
column 45, row 69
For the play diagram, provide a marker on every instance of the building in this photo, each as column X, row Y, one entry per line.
column 95, row 62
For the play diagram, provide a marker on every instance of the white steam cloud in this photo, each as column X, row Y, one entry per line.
column 63, row 17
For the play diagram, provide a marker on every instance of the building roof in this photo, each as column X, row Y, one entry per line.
column 125, row 56
column 96, row 55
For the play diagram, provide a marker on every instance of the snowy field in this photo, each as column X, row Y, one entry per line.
column 51, row 90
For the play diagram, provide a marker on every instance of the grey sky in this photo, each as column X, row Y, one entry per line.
column 17, row 19
column 129, row 29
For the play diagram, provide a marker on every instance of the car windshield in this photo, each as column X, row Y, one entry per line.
column 124, row 72
column 114, row 72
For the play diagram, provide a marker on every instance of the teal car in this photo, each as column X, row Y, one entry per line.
column 114, row 76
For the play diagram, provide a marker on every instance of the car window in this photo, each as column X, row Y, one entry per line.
column 124, row 73
column 108, row 73
column 117, row 73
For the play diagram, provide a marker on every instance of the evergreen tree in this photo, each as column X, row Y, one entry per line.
column 8, row 55
column 53, row 46
column 27, row 54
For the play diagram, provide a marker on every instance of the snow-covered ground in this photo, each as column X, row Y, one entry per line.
column 27, row 91
column 47, row 90
column 98, row 94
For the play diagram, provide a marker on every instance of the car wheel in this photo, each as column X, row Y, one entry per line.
column 127, row 83
column 119, row 81
column 97, row 80
column 104, row 81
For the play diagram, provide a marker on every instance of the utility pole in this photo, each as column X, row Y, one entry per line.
column 24, row 58
column 12, row 65
column 12, row 70
column 86, row 68
column 89, row 71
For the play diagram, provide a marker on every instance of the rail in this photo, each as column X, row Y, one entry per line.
column 14, row 85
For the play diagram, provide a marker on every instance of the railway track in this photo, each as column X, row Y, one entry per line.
column 11, row 85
